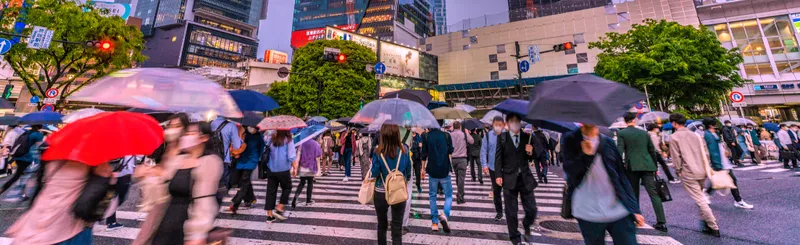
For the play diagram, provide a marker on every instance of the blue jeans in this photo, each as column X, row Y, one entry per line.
column 447, row 188
column 622, row 231
column 346, row 160
column 82, row 238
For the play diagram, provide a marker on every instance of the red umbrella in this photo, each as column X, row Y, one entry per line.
column 105, row 137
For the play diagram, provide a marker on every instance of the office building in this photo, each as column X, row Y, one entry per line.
column 198, row 33
column 312, row 16
column 439, row 10
column 528, row 9
column 766, row 33
column 476, row 67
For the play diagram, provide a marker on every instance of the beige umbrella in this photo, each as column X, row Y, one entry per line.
column 442, row 113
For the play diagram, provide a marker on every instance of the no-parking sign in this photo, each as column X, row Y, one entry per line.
column 736, row 96
column 51, row 93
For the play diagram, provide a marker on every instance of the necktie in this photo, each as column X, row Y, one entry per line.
column 516, row 140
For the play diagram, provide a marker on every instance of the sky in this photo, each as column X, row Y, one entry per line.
column 275, row 31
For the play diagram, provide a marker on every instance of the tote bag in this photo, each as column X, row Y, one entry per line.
column 367, row 191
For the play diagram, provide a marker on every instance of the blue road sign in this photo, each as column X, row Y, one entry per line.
column 380, row 68
column 34, row 99
column 524, row 66
column 5, row 45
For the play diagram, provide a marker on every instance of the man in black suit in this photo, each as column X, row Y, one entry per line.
column 514, row 151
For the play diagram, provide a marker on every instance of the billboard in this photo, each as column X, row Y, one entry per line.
column 275, row 57
column 302, row 37
column 400, row 60
column 338, row 34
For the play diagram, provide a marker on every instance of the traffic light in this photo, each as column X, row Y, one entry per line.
column 334, row 55
column 563, row 47
column 100, row 45
column 7, row 91
column 341, row 58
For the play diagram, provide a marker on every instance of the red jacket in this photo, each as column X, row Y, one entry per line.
column 343, row 139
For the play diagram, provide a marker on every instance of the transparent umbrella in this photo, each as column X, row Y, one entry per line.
column 491, row 115
column 400, row 112
column 465, row 107
column 163, row 89
column 80, row 114
column 737, row 120
column 654, row 117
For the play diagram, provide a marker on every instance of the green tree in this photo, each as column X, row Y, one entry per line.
column 69, row 66
column 680, row 65
column 343, row 84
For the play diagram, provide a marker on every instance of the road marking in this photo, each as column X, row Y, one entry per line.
column 775, row 170
column 757, row 167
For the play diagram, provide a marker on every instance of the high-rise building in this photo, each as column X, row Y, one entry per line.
column 402, row 21
column 439, row 9
column 528, row 9
column 196, row 33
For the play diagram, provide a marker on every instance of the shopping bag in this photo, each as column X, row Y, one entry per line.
column 367, row 191
column 721, row 180
column 663, row 190
column 566, row 205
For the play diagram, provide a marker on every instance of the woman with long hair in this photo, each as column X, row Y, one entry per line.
column 281, row 158
column 248, row 159
column 193, row 178
column 388, row 156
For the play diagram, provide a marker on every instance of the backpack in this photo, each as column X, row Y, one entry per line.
column 395, row 183
column 22, row 145
column 216, row 142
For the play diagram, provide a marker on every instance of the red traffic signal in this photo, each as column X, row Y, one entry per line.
column 341, row 58
column 100, row 45
column 567, row 45
column 563, row 47
column 105, row 45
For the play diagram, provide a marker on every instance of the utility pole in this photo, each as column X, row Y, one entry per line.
column 519, row 72
column 378, row 82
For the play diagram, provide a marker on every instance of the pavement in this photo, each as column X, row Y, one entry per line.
column 337, row 217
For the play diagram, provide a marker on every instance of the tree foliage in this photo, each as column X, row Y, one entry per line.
column 69, row 66
column 680, row 65
column 343, row 84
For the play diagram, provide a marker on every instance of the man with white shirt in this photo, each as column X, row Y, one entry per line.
column 12, row 133
column 513, row 173
column 786, row 146
column 488, row 150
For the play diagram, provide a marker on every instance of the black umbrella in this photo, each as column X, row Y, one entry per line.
column 421, row 96
column 343, row 120
column 473, row 124
column 4, row 104
column 251, row 119
column 582, row 98
column 160, row 116
column 9, row 120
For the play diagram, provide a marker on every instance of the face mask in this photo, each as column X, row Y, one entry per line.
column 728, row 124
column 172, row 134
column 188, row 141
column 514, row 126
column 497, row 129
column 251, row 130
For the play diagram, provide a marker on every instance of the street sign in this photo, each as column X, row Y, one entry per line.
column 5, row 45
column 331, row 50
column 524, row 66
column 378, row 76
column 736, row 96
column 531, row 53
column 48, row 37
column 534, row 54
column 739, row 104
column 114, row 9
column 51, row 93
column 34, row 99
column 380, row 68
column 48, row 107
column 37, row 37
column 283, row 72
column 49, row 100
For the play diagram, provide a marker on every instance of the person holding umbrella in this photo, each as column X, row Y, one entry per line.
column 514, row 175
column 461, row 140
column 282, row 156
column 21, row 153
column 307, row 167
column 348, row 143
column 225, row 137
column 254, row 147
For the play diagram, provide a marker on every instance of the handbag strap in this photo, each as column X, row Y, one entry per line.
column 399, row 155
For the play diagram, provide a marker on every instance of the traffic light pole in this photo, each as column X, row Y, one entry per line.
column 377, row 81
column 519, row 71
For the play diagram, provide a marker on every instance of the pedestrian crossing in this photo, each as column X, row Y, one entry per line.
column 336, row 217
column 764, row 167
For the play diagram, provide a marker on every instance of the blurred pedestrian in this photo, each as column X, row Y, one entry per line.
column 655, row 137
column 326, row 143
column 247, row 162
column 488, row 158
column 307, row 167
column 226, row 136
column 729, row 135
column 364, row 153
column 513, row 154
column 436, row 149
column 416, row 156
column 153, row 188
column 193, row 178
column 639, row 156
column 11, row 134
column 22, row 155
column 281, row 159
column 786, row 146
column 121, row 183
column 741, row 138
column 348, row 143
column 765, row 135
column 461, row 140
column 718, row 162
column 754, row 144
column 689, row 156
column 390, row 156
column 601, row 194
column 540, row 155
column 474, row 155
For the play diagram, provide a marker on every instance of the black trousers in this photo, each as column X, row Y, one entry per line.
column 303, row 181
column 512, row 208
column 734, row 192
column 789, row 155
column 541, row 168
column 473, row 161
column 21, row 167
column 275, row 179
column 121, row 188
column 736, row 153
column 664, row 167
column 245, row 187
column 382, row 209
column 497, row 193
column 418, row 174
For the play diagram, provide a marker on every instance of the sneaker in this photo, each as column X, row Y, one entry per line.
column 661, row 227
column 498, row 217
column 443, row 220
column 271, row 219
column 708, row 198
column 279, row 215
column 675, row 181
column 435, row 227
column 346, row 179
column 114, row 226
column 232, row 209
column 309, row 203
column 742, row 205
column 708, row 230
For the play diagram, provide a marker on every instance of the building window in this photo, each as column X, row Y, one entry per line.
column 578, row 38
column 613, row 26
column 428, row 47
column 582, row 58
column 756, row 69
column 572, row 69
column 465, row 34
column 782, row 42
column 611, row 9
column 623, row 17
column 495, row 75
column 473, row 40
column 421, row 41
column 492, row 58
column 502, row 66
column 501, row 49
column 466, row 47
column 570, row 51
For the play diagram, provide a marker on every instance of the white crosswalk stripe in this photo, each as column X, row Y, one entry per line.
column 765, row 167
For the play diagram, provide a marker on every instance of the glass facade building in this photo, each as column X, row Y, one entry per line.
column 209, row 47
column 379, row 19
column 439, row 10
column 528, row 9
column 310, row 14
column 418, row 12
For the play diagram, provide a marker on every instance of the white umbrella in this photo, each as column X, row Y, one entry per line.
column 80, row 114
column 737, row 120
column 491, row 115
column 465, row 107
column 654, row 117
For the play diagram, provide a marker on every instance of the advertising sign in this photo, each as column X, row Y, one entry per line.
column 302, row 37
column 275, row 57
column 336, row 34
column 400, row 60
column 114, row 9
column 795, row 21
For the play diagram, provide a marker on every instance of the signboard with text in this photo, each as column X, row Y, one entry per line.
column 302, row 37
column 400, row 60
column 337, row 34
column 114, row 9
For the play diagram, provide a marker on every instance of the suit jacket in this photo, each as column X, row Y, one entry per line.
column 637, row 148
column 729, row 135
column 512, row 162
